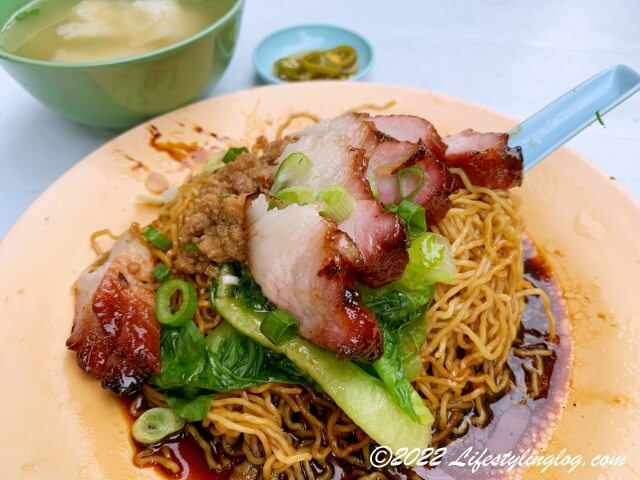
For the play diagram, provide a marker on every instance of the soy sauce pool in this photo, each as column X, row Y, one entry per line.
column 79, row 31
column 519, row 422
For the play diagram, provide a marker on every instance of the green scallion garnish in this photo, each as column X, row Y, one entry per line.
column 413, row 216
column 156, row 238
column 186, row 309
column 279, row 326
column 232, row 153
column 215, row 162
column 294, row 169
column 599, row 118
column 155, row 424
column 338, row 204
column 297, row 195
column 191, row 246
column 410, row 181
column 161, row 272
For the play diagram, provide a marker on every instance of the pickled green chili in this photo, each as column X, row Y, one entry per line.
column 337, row 63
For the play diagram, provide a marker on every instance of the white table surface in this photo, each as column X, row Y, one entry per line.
column 513, row 56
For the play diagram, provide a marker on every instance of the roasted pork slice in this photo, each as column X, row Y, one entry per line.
column 115, row 333
column 334, row 150
column 409, row 128
column 433, row 194
column 305, row 265
column 486, row 158
column 404, row 130
column 381, row 238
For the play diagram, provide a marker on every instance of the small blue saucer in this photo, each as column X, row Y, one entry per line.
column 303, row 38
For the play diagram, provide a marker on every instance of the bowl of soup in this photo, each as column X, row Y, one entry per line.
column 116, row 63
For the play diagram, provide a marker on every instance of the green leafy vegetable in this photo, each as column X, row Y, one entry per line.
column 430, row 261
column 364, row 398
column 394, row 310
column 391, row 370
column 249, row 292
column 191, row 409
column 599, row 118
column 279, row 326
column 400, row 307
column 233, row 153
column 226, row 360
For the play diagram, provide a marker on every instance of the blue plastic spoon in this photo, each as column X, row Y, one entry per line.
column 561, row 120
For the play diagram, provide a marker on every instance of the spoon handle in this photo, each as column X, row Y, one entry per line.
column 562, row 119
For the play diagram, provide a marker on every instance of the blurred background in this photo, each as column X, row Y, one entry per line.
column 511, row 56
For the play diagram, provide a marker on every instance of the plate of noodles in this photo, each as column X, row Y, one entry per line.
column 323, row 280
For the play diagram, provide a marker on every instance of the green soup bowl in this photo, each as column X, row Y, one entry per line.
column 120, row 93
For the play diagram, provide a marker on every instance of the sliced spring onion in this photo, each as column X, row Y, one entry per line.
column 279, row 326
column 161, row 272
column 295, row 168
column 413, row 216
column 157, row 239
column 214, row 162
column 191, row 246
column 298, row 195
column 374, row 186
column 188, row 303
column 338, row 204
column 410, row 181
column 232, row 153
column 155, row 424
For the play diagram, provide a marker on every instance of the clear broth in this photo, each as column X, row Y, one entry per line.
column 78, row 31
